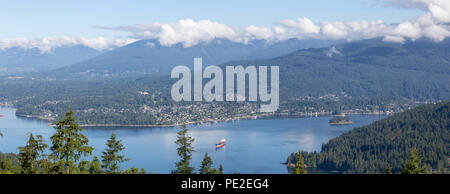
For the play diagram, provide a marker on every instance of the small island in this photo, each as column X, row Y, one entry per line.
column 340, row 119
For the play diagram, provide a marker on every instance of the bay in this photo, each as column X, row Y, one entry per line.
column 253, row 146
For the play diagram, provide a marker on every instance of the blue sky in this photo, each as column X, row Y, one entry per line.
column 44, row 18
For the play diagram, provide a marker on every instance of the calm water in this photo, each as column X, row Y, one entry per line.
column 253, row 146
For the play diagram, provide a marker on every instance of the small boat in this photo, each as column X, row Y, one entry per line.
column 219, row 146
column 221, row 143
column 2, row 116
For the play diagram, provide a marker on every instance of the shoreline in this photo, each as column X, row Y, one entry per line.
column 253, row 117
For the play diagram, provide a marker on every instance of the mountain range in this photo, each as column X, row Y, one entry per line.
column 150, row 57
column 18, row 60
column 364, row 76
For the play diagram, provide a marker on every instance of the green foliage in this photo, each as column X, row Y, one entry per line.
column 69, row 144
column 184, row 150
column 206, row 166
column 111, row 157
column 220, row 169
column 388, row 170
column 30, row 154
column 300, row 167
column 131, row 170
column 83, row 167
column 369, row 149
column 414, row 164
column 339, row 120
column 95, row 167
column 9, row 163
column 134, row 170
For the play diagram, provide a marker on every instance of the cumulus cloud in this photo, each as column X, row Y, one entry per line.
column 49, row 43
column 433, row 25
column 334, row 30
column 255, row 32
column 396, row 39
column 304, row 25
column 438, row 9
column 187, row 32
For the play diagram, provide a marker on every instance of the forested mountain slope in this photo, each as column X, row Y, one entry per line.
column 387, row 142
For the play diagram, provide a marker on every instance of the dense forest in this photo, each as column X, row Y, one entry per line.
column 387, row 143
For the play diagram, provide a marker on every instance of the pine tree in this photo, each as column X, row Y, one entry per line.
column 220, row 169
column 95, row 167
column 132, row 170
column 30, row 154
column 414, row 164
column 69, row 144
column 6, row 167
column 388, row 170
column 110, row 157
column 300, row 167
column 205, row 168
column 83, row 167
column 142, row 171
column 185, row 149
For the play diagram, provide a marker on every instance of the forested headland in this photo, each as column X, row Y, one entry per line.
column 388, row 144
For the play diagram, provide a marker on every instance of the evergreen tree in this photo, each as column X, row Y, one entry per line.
column 110, row 157
column 142, row 171
column 46, row 166
column 300, row 167
column 205, row 168
column 30, row 154
column 388, row 170
column 95, row 167
column 69, row 144
column 131, row 170
column 185, row 149
column 220, row 169
column 414, row 164
column 6, row 167
column 83, row 167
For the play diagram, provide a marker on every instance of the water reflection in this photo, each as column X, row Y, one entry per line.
column 253, row 146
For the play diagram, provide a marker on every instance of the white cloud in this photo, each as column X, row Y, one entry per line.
column 334, row 29
column 333, row 51
column 409, row 30
column 187, row 32
column 396, row 39
column 435, row 25
column 436, row 32
column 304, row 25
column 439, row 9
column 49, row 43
column 258, row 33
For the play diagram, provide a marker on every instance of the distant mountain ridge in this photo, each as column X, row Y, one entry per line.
column 17, row 60
column 416, row 70
column 150, row 57
column 362, row 77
